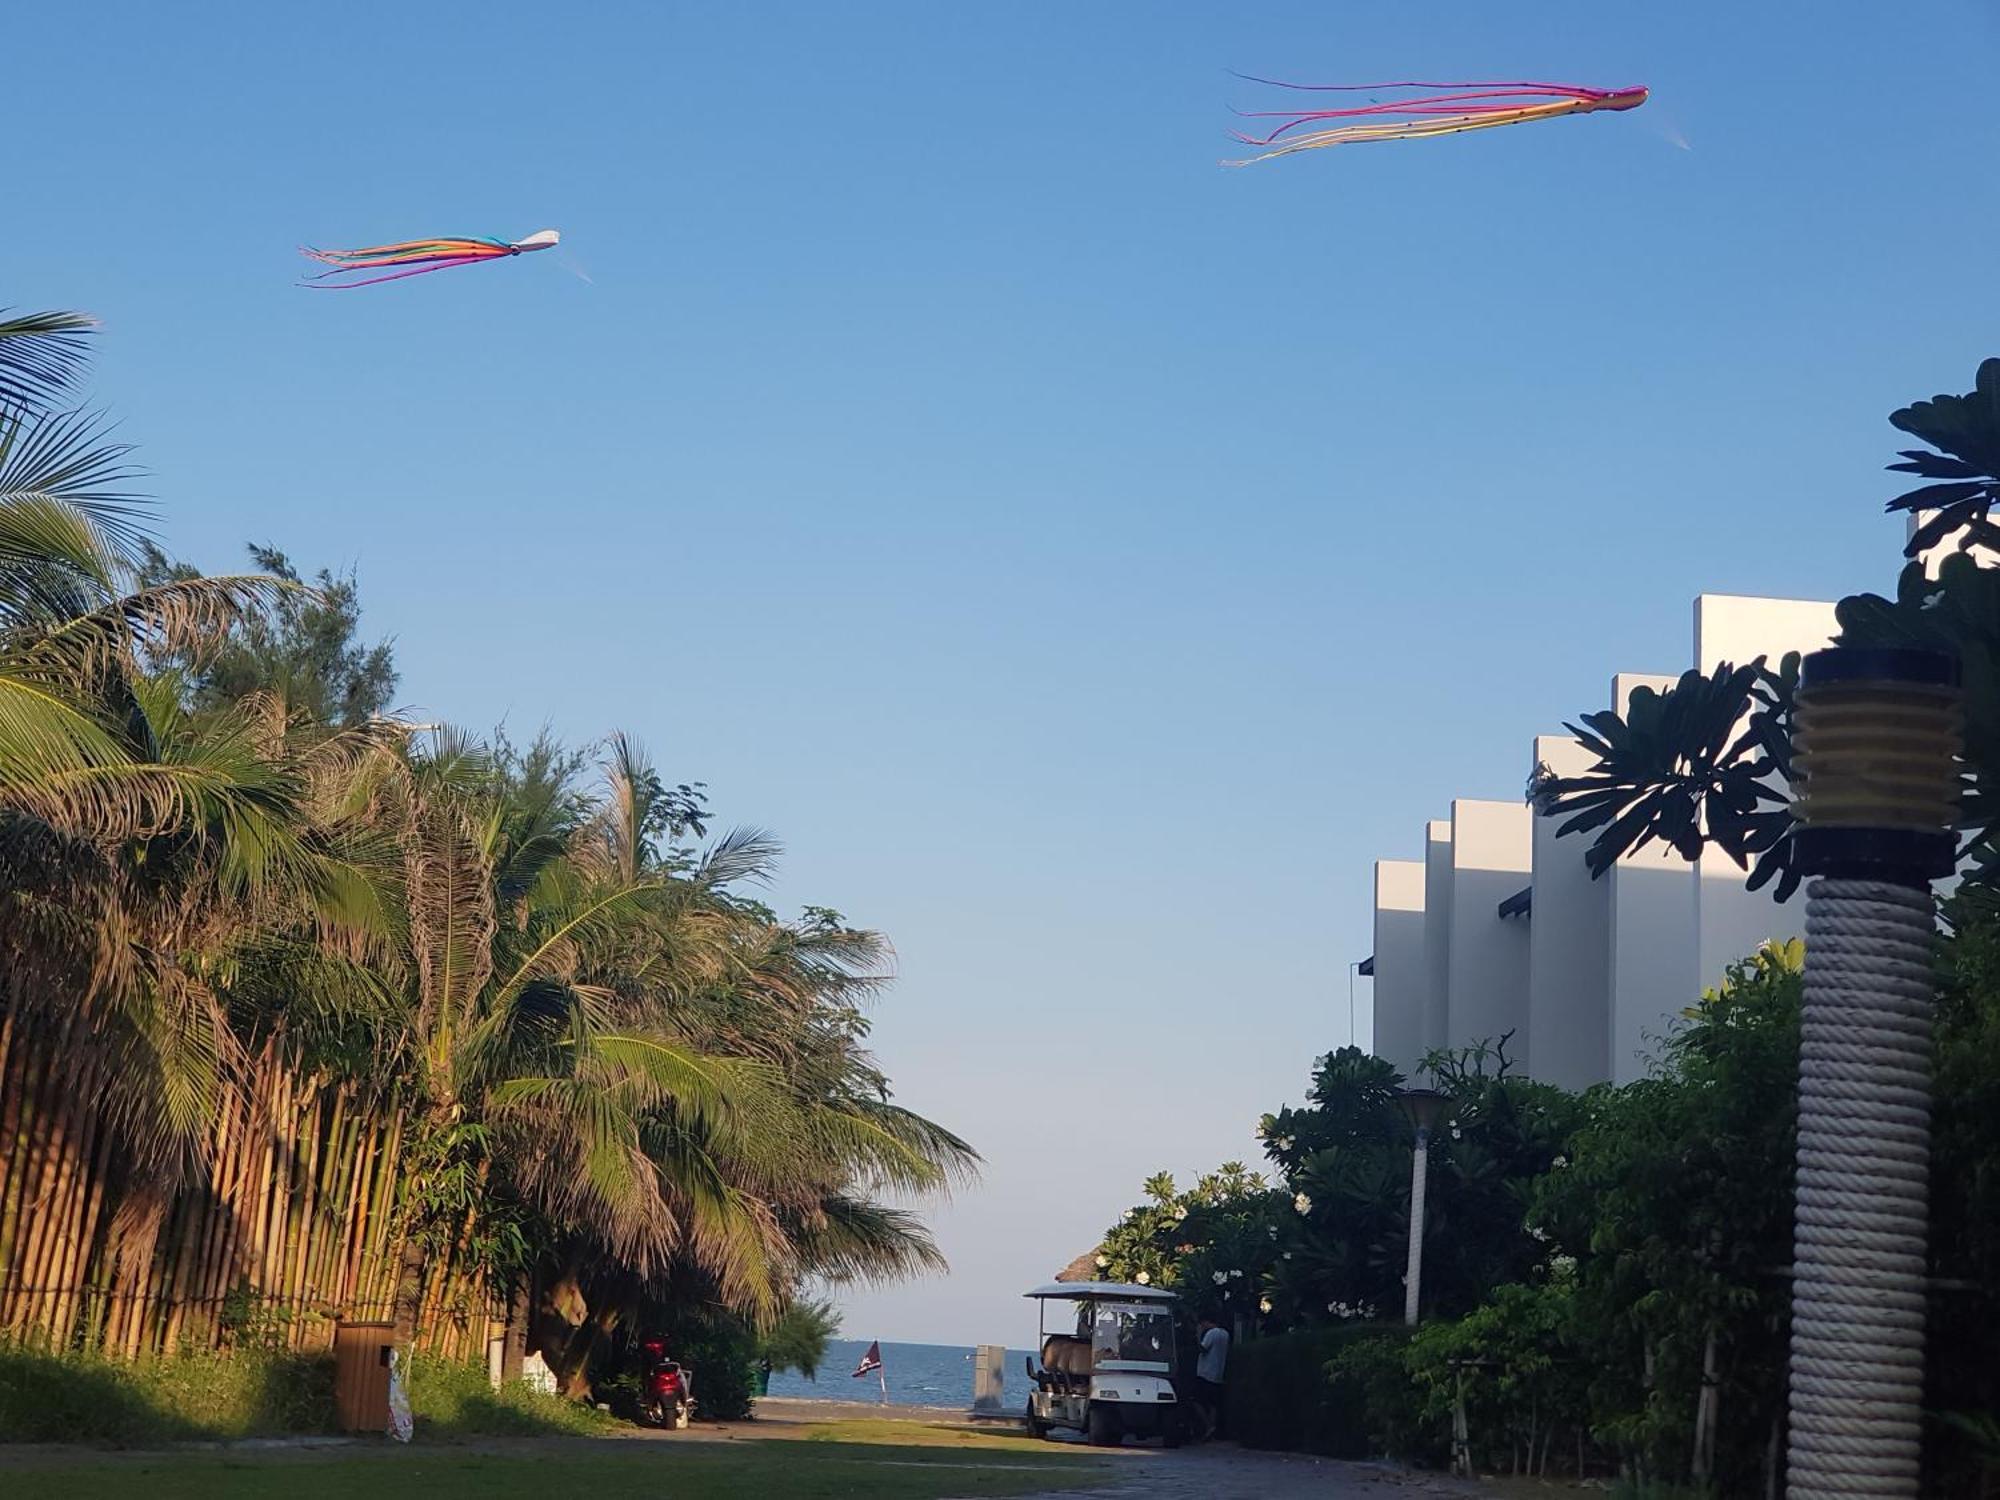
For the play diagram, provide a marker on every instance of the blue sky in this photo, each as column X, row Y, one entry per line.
column 1088, row 559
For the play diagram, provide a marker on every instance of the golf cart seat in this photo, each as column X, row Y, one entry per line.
column 1065, row 1362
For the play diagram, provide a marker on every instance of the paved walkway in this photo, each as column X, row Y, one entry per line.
column 1224, row 1472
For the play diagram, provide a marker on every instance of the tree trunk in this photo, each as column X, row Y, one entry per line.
column 1705, row 1414
column 582, row 1348
column 409, row 1292
column 515, row 1350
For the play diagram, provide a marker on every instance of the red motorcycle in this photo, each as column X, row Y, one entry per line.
column 666, row 1392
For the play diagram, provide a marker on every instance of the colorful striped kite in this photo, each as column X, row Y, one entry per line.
column 1447, row 109
column 417, row 257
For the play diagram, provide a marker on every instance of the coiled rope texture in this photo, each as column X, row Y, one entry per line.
column 1857, row 1363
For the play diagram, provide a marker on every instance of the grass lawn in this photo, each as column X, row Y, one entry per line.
column 830, row 1465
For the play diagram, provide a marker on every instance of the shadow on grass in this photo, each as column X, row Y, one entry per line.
column 535, row 1470
column 48, row 1397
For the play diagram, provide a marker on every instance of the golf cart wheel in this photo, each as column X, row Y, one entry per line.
column 1103, row 1430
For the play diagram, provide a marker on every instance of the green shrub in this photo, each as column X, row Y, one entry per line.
column 1372, row 1373
column 47, row 1397
column 722, row 1357
column 452, row 1400
column 1281, row 1394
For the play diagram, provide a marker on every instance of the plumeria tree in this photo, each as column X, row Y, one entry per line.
column 1217, row 1242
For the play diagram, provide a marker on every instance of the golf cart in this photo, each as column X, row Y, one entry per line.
column 1115, row 1374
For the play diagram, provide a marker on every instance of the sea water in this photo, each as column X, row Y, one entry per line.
column 917, row 1375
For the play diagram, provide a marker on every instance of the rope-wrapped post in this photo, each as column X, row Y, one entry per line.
column 1875, row 764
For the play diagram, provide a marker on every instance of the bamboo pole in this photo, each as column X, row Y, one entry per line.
column 44, row 1154
column 79, row 1217
column 13, row 1060
column 305, row 1218
column 16, row 1130
column 336, row 1198
column 367, row 1164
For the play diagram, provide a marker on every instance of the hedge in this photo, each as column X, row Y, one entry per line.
column 1282, row 1394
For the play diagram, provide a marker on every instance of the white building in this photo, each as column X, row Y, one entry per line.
column 1499, row 928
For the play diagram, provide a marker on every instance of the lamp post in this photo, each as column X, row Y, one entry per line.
column 1421, row 1107
column 1876, row 736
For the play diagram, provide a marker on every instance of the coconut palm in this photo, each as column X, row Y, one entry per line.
column 352, row 1013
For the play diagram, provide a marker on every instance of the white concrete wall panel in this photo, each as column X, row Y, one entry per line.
column 1487, row 986
column 1402, row 963
column 1569, row 937
column 1437, row 931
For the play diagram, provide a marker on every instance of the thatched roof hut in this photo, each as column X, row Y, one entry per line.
column 1083, row 1268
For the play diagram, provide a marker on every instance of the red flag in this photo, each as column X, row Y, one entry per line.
column 870, row 1362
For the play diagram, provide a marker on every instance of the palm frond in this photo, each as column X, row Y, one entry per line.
column 741, row 854
column 849, row 1240
column 41, row 355
column 68, row 458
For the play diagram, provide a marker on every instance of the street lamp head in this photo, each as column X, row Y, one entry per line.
column 1876, row 733
column 1422, row 1108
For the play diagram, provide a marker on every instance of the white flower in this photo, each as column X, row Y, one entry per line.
column 1180, row 1213
column 1235, row 1275
column 1273, row 1228
column 1562, row 1265
column 1103, row 1261
column 1541, row 1235
column 1183, row 1249
column 1560, row 1162
column 1263, row 1304
column 1217, row 1277
column 1302, row 1203
column 1144, row 1278
column 1284, row 1143
column 1286, row 1256
column 1456, row 1134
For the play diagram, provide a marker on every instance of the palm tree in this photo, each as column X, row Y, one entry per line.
column 347, row 1013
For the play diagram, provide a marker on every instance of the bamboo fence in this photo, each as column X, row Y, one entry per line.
column 288, row 1224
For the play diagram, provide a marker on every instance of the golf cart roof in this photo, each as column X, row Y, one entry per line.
column 1085, row 1291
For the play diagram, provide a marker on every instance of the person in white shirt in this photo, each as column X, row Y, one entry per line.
column 1209, row 1368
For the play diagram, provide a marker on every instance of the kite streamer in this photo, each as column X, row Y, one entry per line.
column 1423, row 110
column 415, row 258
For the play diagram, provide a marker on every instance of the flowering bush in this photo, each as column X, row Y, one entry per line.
column 1214, row 1242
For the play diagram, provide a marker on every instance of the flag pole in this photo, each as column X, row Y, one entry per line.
column 881, row 1374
